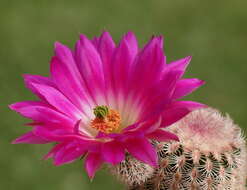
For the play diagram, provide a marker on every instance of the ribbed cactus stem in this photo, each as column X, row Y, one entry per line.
column 211, row 155
column 186, row 169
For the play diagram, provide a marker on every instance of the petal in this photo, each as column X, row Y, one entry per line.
column 93, row 162
column 30, row 138
column 148, row 65
column 48, row 134
column 57, row 135
column 146, row 71
column 68, row 82
column 123, row 59
column 106, row 48
column 58, row 100
column 177, row 110
column 95, row 41
column 69, row 153
column 85, row 129
column 180, row 64
column 160, row 40
column 157, row 97
column 113, row 152
column 162, row 135
column 42, row 112
column 142, row 150
column 186, row 86
column 121, row 65
column 90, row 66
column 132, row 44
column 54, row 150
column 30, row 79
column 145, row 127
column 65, row 57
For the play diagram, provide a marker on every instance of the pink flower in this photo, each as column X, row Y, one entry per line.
column 103, row 100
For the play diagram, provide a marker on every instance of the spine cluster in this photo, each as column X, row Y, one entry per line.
column 211, row 155
column 132, row 172
column 183, row 169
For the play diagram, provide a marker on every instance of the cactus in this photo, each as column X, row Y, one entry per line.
column 131, row 171
column 211, row 155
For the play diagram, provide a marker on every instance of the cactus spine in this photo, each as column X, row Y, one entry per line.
column 131, row 171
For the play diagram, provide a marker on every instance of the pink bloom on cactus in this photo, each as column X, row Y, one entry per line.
column 102, row 100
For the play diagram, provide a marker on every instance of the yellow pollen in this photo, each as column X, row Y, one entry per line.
column 108, row 124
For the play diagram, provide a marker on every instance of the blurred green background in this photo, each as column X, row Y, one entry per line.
column 214, row 32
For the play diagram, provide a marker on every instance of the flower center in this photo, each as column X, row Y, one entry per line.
column 106, row 120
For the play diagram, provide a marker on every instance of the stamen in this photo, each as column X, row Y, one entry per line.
column 106, row 120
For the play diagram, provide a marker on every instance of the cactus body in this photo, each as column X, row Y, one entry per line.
column 211, row 155
column 184, row 169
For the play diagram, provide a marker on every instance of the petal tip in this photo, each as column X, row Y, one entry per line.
column 202, row 82
column 189, row 58
column 83, row 38
column 130, row 34
column 84, row 42
column 105, row 34
column 57, row 44
column 11, row 106
column 45, row 157
column 15, row 141
column 57, row 164
column 25, row 76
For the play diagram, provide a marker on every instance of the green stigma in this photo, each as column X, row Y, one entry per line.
column 101, row 111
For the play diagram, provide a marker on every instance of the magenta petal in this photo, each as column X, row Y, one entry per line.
column 186, row 86
column 47, row 134
column 180, row 65
column 148, row 66
column 95, row 42
column 161, row 135
column 106, row 48
column 30, row 138
column 90, row 66
column 27, row 108
column 142, row 150
column 145, row 127
column 93, row 162
column 30, row 79
column 58, row 100
column 59, row 135
column 67, row 77
column 69, row 153
column 123, row 60
column 159, row 95
column 160, row 39
column 69, row 84
column 65, row 57
column 131, row 43
column 113, row 152
column 42, row 112
column 178, row 110
column 122, row 63
column 54, row 150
